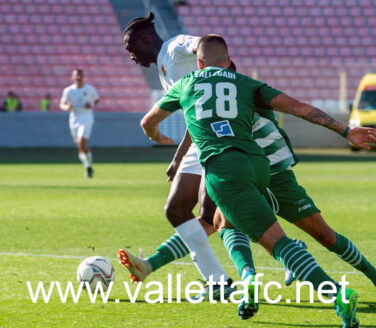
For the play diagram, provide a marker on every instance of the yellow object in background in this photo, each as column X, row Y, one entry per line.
column 363, row 110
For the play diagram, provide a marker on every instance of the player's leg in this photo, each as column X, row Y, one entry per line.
column 180, row 203
column 316, row 226
column 206, row 208
column 239, row 250
column 298, row 208
column 303, row 266
column 181, row 200
column 236, row 242
column 170, row 250
column 240, row 199
column 85, row 156
column 83, row 134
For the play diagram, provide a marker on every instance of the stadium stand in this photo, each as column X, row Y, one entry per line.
column 298, row 46
column 42, row 41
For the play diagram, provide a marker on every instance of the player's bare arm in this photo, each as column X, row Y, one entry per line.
column 180, row 152
column 359, row 136
column 66, row 107
column 150, row 125
column 88, row 105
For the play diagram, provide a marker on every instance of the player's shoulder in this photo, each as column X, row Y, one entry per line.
column 182, row 41
column 248, row 80
column 69, row 88
column 88, row 86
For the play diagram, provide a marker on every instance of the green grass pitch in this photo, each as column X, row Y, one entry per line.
column 50, row 209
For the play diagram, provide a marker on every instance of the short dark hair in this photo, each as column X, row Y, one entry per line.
column 139, row 22
column 79, row 71
column 211, row 38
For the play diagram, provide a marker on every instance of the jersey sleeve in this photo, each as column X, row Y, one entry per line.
column 64, row 97
column 187, row 44
column 171, row 101
column 265, row 94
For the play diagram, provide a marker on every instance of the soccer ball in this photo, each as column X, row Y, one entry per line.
column 96, row 269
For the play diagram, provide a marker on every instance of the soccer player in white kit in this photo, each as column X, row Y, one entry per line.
column 80, row 98
column 146, row 47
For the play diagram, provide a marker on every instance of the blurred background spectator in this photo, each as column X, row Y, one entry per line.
column 45, row 103
column 12, row 103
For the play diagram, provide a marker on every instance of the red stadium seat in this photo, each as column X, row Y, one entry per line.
column 310, row 40
column 42, row 41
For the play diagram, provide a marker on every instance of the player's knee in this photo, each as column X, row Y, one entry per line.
column 218, row 225
column 175, row 213
column 220, row 222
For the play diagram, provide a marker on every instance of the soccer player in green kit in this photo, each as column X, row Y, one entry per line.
column 218, row 107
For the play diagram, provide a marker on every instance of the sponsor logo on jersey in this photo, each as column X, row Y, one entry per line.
column 222, row 129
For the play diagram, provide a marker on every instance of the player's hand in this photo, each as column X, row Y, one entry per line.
column 88, row 105
column 362, row 137
column 164, row 140
column 171, row 170
column 70, row 106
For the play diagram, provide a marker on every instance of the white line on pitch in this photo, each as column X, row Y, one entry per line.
column 175, row 262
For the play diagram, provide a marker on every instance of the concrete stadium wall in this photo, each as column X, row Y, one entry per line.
column 35, row 129
column 307, row 135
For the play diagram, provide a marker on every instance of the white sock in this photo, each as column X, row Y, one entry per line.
column 83, row 158
column 89, row 158
column 194, row 236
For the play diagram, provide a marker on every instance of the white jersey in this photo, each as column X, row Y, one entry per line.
column 176, row 59
column 79, row 97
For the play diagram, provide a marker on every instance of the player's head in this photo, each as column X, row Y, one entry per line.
column 142, row 41
column 78, row 76
column 212, row 51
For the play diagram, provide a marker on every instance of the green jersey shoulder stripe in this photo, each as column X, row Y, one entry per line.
column 268, row 137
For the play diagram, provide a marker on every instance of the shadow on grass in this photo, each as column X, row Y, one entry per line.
column 279, row 324
column 363, row 307
column 165, row 300
column 367, row 307
column 68, row 187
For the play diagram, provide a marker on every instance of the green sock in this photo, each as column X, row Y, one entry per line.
column 348, row 252
column 171, row 250
column 299, row 262
column 237, row 245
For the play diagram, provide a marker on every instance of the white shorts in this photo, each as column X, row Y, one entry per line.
column 81, row 126
column 190, row 163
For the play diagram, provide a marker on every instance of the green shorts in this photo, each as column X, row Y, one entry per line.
column 236, row 182
column 293, row 202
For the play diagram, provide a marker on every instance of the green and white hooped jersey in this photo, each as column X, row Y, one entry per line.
column 268, row 137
